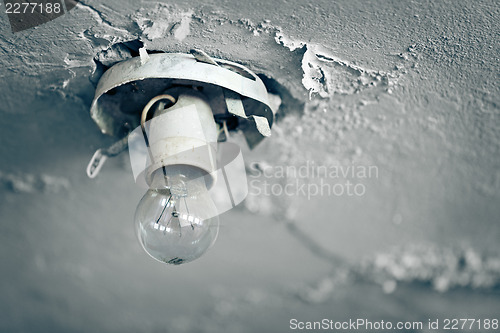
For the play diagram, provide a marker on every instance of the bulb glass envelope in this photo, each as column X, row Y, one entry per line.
column 243, row 94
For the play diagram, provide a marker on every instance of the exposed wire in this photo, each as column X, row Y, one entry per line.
column 146, row 109
column 224, row 128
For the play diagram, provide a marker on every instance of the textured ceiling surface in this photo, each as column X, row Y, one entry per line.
column 409, row 88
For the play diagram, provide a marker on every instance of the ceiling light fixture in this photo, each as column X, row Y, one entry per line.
column 173, row 111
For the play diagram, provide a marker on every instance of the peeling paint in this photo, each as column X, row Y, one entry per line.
column 325, row 74
column 287, row 42
column 181, row 30
column 442, row 267
column 163, row 22
column 75, row 62
column 101, row 19
column 114, row 54
column 29, row 183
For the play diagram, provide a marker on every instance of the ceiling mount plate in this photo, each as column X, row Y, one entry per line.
column 126, row 87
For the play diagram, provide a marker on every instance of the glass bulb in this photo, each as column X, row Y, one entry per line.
column 178, row 222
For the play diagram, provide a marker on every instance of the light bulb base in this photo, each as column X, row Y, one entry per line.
column 184, row 134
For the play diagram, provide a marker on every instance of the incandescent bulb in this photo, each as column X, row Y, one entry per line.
column 177, row 221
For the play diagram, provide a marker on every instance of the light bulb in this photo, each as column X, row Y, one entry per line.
column 176, row 221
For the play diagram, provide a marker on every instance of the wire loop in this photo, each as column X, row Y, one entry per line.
column 146, row 109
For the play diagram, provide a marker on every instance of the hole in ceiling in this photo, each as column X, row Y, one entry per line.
column 281, row 100
column 115, row 53
column 289, row 104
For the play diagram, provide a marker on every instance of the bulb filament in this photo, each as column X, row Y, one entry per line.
column 175, row 214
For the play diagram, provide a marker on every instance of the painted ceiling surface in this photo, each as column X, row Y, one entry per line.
column 400, row 98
